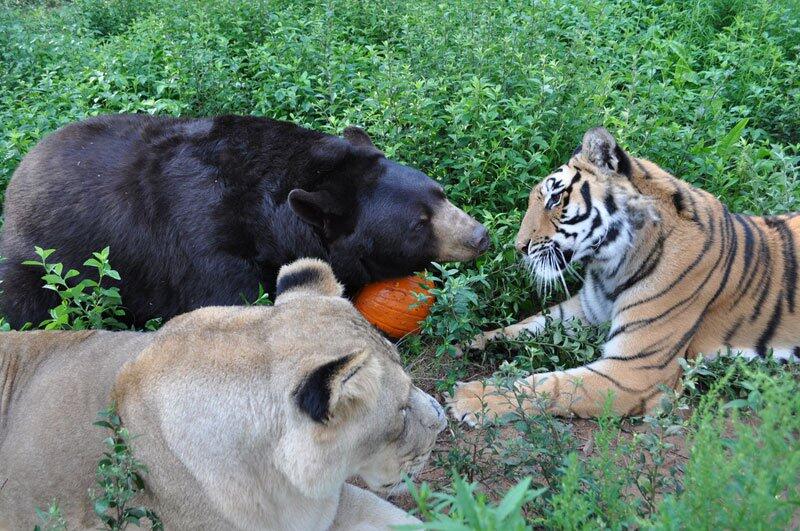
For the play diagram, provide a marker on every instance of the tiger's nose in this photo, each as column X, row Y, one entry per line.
column 522, row 245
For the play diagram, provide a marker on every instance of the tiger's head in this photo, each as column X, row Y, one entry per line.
column 588, row 210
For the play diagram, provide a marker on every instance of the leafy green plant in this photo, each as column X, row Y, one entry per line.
column 743, row 469
column 262, row 298
column 51, row 519
column 85, row 304
column 119, row 478
column 451, row 316
column 464, row 510
column 653, row 477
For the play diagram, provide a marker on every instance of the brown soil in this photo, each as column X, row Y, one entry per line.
column 582, row 432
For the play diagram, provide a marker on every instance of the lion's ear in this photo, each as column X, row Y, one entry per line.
column 600, row 148
column 335, row 384
column 306, row 276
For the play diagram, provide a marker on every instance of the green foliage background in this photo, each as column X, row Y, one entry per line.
column 485, row 96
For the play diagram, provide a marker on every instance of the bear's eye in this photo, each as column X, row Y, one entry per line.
column 422, row 221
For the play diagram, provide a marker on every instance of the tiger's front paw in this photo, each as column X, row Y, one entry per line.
column 480, row 341
column 476, row 402
column 466, row 403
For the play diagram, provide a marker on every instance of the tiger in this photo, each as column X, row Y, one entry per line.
column 667, row 264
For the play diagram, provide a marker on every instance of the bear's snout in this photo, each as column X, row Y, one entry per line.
column 458, row 236
column 480, row 239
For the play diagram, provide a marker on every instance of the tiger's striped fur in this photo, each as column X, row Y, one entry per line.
column 667, row 264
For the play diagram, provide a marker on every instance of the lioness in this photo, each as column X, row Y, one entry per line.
column 249, row 418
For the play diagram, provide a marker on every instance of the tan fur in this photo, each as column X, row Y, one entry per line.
column 452, row 228
column 694, row 279
column 212, row 397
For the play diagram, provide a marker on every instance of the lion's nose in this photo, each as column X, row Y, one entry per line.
column 522, row 245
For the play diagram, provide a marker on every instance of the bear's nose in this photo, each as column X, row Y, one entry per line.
column 522, row 245
column 480, row 239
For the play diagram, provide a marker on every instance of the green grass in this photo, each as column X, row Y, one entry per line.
column 486, row 97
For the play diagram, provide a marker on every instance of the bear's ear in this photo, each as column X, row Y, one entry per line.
column 600, row 148
column 357, row 137
column 315, row 208
column 326, row 154
column 331, row 387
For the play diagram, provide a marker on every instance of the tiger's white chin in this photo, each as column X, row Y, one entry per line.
column 545, row 274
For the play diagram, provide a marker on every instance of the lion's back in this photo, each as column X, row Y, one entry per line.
column 53, row 385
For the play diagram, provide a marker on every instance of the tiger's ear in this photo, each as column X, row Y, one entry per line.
column 337, row 384
column 306, row 276
column 600, row 148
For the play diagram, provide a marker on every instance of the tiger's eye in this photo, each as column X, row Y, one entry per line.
column 553, row 201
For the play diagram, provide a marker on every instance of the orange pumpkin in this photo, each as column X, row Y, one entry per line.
column 392, row 305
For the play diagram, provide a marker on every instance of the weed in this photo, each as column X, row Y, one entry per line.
column 51, row 519
column 262, row 298
column 455, row 301
column 85, row 304
column 464, row 510
column 119, row 478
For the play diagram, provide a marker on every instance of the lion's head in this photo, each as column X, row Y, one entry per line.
column 586, row 211
column 305, row 394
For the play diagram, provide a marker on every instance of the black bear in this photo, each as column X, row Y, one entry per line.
column 199, row 212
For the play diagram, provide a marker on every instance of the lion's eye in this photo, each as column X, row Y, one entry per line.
column 402, row 427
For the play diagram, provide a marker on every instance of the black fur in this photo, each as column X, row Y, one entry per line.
column 199, row 212
column 677, row 200
column 610, row 204
column 314, row 394
column 309, row 275
column 624, row 163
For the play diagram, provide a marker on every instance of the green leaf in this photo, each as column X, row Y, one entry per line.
column 465, row 501
column 514, row 499
column 739, row 403
column 101, row 506
column 725, row 144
